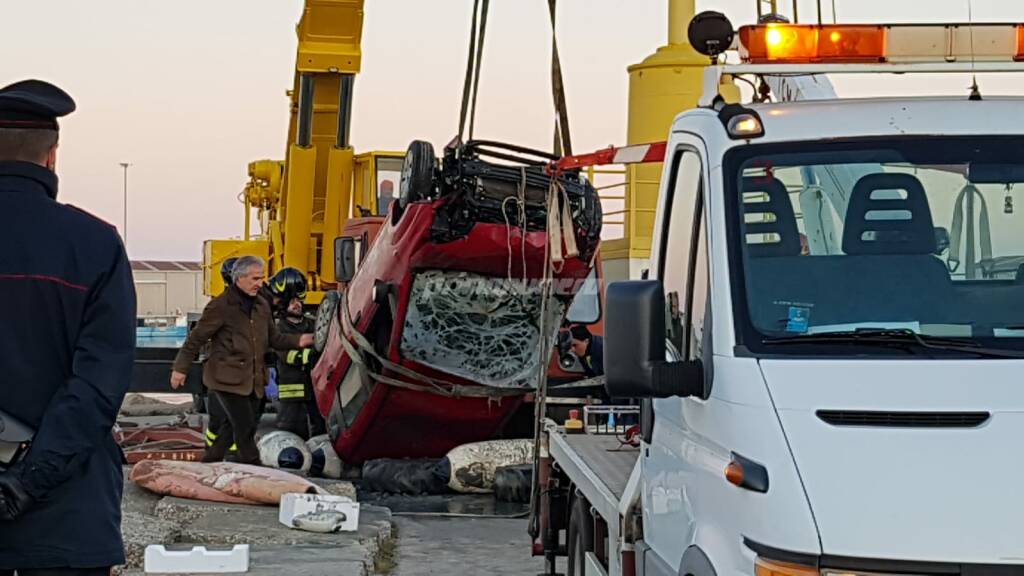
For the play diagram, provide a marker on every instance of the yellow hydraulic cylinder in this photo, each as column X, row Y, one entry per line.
column 336, row 209
column 663, row 85
column 298, row 208
column 248, row 216
column 276, row 259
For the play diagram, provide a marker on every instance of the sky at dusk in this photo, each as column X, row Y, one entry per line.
column 190, row 91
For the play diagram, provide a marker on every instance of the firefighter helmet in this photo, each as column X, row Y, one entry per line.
column 226, row 269
column 288, row 283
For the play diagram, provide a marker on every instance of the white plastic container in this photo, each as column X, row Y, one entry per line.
column 295, row 505
column 198, row 560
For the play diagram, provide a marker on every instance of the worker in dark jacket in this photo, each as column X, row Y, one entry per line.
column 240, row 328
column 67, row 304
column 216, row 414
column 298, row 412
column 589, row 349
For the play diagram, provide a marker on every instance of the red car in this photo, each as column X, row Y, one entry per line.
column 443, row 312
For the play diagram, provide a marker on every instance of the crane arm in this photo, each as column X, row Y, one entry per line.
column 317, row 181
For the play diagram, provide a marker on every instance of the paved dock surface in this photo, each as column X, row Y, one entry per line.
column 494, row 547
column 458, row 534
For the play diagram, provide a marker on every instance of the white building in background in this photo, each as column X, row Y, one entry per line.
column 168, row 289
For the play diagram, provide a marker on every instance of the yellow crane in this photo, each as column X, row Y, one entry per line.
column 303, row 202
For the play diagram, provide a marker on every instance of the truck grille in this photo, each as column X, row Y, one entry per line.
column 903, row 419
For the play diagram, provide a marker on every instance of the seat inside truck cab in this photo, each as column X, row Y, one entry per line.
column 888, row 273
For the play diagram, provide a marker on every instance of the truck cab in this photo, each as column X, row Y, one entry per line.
column 838, row 388
column 863, row 381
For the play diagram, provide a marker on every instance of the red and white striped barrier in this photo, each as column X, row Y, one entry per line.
column 635, row 154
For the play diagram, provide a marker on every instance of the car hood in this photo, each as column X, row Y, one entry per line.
column 938, row 494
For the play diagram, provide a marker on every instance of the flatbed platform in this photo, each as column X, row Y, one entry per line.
column 601, row 466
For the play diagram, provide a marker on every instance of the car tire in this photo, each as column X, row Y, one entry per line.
column 417, row 173
column 580, row 538
column 325, row 315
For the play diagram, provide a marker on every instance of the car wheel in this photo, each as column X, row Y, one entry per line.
column 580, row 538
column 325, row 315
column 417, row 173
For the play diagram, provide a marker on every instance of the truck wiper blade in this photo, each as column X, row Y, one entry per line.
column 895, row 338
column 896, row 335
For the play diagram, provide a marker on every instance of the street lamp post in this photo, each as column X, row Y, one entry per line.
column 125, row 165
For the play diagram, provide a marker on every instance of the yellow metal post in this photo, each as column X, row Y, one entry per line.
column 663, row 85
column 337, row 207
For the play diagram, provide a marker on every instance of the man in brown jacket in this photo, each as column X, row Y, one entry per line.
column 240, row 328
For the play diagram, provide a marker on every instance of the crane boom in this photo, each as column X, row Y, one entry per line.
column 304, row 200
column 318, row 167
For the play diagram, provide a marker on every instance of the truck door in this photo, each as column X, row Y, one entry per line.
column 682, row 266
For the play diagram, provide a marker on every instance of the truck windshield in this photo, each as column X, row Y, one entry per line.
column 916, row 235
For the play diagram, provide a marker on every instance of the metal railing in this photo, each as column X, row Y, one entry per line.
column 617, row 189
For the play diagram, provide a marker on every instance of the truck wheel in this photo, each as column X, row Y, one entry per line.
column 417, row 173
column 581, row 536
column 324, row 317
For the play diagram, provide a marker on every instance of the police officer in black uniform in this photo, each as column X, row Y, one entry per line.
column 297, row 412
column 67, row 344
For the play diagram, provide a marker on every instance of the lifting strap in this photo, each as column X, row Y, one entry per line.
column 471, row 84
column 563, row 142
column 560, row 226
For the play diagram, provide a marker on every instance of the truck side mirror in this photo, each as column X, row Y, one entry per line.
column 634, row 351
column 344, row 258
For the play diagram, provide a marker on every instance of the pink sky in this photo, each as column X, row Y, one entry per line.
column 190, row 91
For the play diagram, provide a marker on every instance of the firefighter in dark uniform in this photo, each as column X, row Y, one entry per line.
column 67, row 304
column 298, row 412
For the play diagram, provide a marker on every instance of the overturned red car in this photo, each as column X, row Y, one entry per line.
column 433, row 339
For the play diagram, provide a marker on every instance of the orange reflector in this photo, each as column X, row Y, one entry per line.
column 1020, row 43
column 764, row 567
column 778, row 43
column 852, row 43
column 795, row 43
column 734, row 473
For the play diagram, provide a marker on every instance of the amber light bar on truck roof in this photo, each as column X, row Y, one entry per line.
column 880, row 43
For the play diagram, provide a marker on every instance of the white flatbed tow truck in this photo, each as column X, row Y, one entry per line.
column 830, row 342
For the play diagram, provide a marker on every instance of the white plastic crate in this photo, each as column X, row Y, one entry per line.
column 197, row 560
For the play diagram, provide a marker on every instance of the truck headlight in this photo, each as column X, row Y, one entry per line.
column 764, row 567
column 835, row 572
